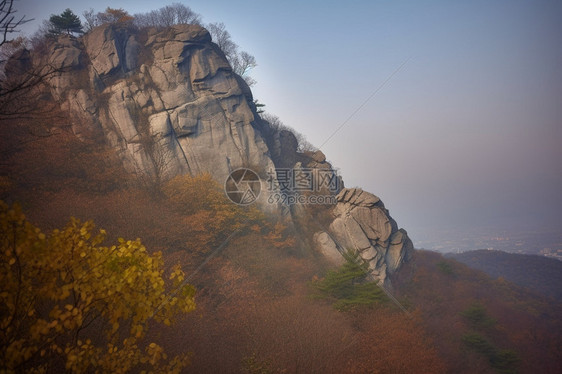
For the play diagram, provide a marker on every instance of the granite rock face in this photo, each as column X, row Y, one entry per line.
column 363, row 224
column 169, row 103
column 167, row 100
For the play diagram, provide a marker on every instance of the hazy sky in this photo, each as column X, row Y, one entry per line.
column 467, row 133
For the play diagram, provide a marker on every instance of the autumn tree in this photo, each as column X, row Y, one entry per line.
column 208, row 215
column 66, row 22
column 68, row 302
column 116, row 16
column 388, row 341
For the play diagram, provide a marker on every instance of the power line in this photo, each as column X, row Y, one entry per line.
column 380, row 87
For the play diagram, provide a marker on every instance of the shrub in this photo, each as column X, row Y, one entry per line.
column 208, row 216
column 503, row 361
column 445, row 267
column 347, row 286
column 477, row 317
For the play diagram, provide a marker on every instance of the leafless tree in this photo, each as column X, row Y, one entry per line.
column 241, row 62
column 167, row 16
column 161, row 156
column 222, row 38
column 274, row 121
column 303, row 145
column 185, row 14
column 7, row 50
column 91, row 19
column 20, row 79
column 20, row 92
column 9, row 22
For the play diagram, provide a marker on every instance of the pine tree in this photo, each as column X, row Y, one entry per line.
column 347, row 286
column 67, row 22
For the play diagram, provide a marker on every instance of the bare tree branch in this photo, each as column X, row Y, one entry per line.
column 241, row 62
column 20, row 91
column 167, row 16
column 222, row 38
column 8, row 20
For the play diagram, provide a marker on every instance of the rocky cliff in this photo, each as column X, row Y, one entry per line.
column 168, row 100
column 362, row 223
column 169, row 103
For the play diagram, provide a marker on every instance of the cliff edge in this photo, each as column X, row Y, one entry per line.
column 169, row 103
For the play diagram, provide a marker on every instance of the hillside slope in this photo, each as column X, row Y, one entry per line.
column 480, row 324
column 168, row 103
column 537, row 273
column 255, row 313
column 254, row 308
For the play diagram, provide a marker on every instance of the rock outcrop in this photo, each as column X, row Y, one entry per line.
column 167, row 100
column 169, row 103
column 363, row 224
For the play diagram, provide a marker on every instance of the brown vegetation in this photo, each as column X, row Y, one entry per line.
column 254, row 312
column 458, row 305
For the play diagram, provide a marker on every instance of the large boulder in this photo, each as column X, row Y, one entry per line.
column 363, row 224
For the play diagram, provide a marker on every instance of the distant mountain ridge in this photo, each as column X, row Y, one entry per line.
column 539, row 274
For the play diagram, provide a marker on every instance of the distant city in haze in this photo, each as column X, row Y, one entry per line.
column 542, row 242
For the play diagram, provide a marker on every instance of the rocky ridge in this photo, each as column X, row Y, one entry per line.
column 167, row 100
column 362, row 223
column 169, row 103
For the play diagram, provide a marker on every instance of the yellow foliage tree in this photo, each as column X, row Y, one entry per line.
column 69, row 303
column 209, row 216
column 115, row 16
column 279, row 236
